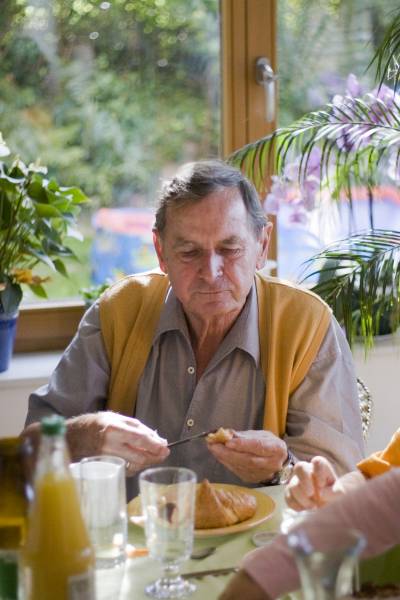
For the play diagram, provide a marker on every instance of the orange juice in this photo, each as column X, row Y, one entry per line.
column 58, row 557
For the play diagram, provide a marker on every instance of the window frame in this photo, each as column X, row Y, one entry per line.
column 248, row 31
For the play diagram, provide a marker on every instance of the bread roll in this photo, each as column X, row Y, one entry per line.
column 221, row 436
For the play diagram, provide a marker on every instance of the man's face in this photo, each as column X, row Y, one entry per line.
column 210, row 253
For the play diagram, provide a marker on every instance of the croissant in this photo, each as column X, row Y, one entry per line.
column 221, row 508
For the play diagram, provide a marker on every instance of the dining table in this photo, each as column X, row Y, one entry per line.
column 129, row 582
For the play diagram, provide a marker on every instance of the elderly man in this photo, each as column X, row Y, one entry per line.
column 208, row 341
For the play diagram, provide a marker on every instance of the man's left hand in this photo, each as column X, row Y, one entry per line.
column 254, row 456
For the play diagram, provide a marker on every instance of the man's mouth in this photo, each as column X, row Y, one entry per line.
column 212, row 292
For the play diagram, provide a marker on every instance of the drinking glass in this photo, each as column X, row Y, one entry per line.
column 326, row 558
column 167, row 496
column 103, row 500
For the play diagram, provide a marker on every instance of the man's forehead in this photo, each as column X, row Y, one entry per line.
column 191, row 239
column 226, row 200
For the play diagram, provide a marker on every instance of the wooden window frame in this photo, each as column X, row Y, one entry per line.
column 248, row 31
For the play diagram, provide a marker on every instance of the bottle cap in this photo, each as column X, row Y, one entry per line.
column 53, row 425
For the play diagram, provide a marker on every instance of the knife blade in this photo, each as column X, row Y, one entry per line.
column 190, row 438
column 213, row 572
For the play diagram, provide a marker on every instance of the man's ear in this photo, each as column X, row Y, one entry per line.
column 157, row 242
column 264, row 245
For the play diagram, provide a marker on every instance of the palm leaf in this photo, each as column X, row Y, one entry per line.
column 359, row 277
column 352, row 137
column 386, row 56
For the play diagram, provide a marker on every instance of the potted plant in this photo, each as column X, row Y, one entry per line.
column 36, row 218
column 351, row 142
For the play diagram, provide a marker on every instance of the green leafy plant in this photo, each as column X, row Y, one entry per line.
column 356, row 142
column 37, row 216
column 92, row 293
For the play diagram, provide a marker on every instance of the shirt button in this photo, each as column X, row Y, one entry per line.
column 190, row 370
column 190, row 422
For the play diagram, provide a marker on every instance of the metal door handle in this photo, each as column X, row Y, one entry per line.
column 266, row 77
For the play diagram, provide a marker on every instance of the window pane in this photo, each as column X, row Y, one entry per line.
column 320, row 43
column 112, row 96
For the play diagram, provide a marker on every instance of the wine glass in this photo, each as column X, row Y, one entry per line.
column 167, row 496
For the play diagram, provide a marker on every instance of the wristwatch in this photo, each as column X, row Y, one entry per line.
column 283, row 475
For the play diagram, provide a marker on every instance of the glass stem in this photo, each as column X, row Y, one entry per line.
column 171, row 570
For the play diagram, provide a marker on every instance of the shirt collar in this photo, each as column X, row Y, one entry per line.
column 243, row 334
column 172, row 317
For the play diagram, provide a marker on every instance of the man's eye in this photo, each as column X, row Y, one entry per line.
column 188, row 254
column 231, row 251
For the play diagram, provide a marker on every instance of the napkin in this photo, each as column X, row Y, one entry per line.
column 382, row 461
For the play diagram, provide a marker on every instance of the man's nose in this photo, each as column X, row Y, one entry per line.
column 212, row 266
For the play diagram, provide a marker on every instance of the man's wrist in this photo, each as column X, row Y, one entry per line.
column 283, row 475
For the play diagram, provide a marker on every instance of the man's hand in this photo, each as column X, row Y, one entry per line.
column 312, row 484
column 242, row 586
column 107, row 432
column 253, row 456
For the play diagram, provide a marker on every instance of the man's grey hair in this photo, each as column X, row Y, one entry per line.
column 196, row 180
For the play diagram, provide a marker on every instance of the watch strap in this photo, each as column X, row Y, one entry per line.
column 283, row 475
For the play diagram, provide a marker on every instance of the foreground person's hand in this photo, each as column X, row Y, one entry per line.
column 312, row 484
column 254, row 456
column 243, row 586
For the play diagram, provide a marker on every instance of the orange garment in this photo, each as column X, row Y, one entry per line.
column 382, row 461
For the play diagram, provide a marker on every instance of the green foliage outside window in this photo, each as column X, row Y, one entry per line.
column 111, row 96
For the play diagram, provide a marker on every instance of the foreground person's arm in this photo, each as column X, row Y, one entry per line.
column 316, row 483
column 372, row 509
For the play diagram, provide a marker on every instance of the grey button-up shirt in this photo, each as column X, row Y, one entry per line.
column 323, row 416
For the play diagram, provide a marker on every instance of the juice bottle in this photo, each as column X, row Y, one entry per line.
column 58, row 557
column 13, row 512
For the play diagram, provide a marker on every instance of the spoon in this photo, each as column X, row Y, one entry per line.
column 203, row 552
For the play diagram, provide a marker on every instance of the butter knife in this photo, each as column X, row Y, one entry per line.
column 190, row 438
column 213, row 572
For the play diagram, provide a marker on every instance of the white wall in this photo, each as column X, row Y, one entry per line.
column 26, row 373
column 380, row 371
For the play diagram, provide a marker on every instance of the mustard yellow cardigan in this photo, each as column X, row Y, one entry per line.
column 292, row 325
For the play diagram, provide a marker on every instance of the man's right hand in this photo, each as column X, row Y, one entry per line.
column 312, row 484
column 107, row 432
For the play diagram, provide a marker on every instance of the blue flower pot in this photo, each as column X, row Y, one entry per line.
column 8, row 326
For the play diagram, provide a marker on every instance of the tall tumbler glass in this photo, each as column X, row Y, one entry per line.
column 326, row 558
column 103, row 500
column 168, row 497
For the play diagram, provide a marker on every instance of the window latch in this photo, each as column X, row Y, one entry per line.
column 266, row 77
